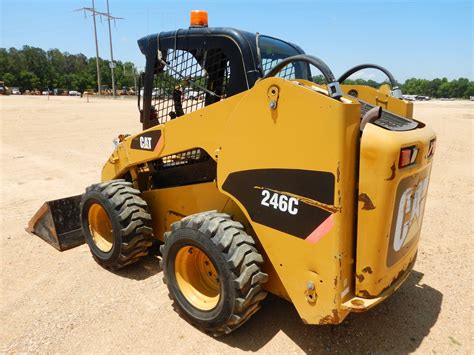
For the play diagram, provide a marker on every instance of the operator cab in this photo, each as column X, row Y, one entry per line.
column 191, row 68
column 188, row 69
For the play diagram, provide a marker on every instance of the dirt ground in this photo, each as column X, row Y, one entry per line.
column 65, row 302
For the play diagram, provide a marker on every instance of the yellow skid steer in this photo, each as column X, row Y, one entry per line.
column 254, row 179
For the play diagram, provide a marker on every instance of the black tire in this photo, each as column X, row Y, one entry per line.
column 236, row 260
column 131, row 232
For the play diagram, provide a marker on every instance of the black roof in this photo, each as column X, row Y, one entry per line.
column 245, row 41
column 243, row 38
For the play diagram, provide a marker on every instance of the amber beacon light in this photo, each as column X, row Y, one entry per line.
column 198, row 18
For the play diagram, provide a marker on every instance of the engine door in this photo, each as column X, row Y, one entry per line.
column 391, row 200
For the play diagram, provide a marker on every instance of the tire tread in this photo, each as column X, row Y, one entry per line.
column 242, row 258
column 135, row 221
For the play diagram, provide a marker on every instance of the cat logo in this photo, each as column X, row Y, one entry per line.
column 409, row 214
column 145, row 143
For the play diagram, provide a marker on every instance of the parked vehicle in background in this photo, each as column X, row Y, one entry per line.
column 124, row 92
column 416, row 98
column 16, row 91
column 409, row 97
column 423, row 98
column 4, row 90
column 105, row 90
column 74, row 93
column 60, row 92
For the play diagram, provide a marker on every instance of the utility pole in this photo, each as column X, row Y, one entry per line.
column 94, row 14
column 96, row 49
column 112, row 63
column 109, row 18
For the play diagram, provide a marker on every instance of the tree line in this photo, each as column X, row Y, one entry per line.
column 31, row 68
column 436, row 88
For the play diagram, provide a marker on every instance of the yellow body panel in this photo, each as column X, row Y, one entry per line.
column 277, row 126
column 381, row 185
column 381, row 97
column 169, row 205
column 322, row 137
column 202, row 128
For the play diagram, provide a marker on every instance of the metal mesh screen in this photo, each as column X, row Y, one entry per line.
column 287, row 72
column 189, row 81
column 184, row 158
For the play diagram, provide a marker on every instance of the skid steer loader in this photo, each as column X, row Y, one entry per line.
column 260, row 181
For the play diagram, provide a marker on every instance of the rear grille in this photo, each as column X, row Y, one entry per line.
column 389, row 120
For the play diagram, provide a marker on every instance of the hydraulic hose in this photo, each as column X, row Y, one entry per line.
column 318, row 63
column 351, row 71
column 333, row 86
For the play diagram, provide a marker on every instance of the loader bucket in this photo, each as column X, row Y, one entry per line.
column 58, row 223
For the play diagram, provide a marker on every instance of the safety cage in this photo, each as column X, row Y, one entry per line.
column 196, row 67
column 189, row 69
column 187, row 81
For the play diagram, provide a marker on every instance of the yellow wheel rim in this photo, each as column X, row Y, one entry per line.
column 100, row 228
column 197, row 278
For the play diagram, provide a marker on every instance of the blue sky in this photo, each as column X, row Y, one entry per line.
column 412, row 38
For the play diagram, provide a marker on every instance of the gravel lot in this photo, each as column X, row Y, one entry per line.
column 65, row 302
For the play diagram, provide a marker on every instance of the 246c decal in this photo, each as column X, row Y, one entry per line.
column 279, row 202
column 292, row 201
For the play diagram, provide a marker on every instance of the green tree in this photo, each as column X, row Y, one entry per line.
column 33, row 68
column 9, row 79
column 444, row 90
column 469, row 90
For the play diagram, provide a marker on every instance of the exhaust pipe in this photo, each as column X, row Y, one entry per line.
column 58, row 223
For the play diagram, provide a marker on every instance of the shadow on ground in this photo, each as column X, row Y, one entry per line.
column 147, row 267
column 397, row 325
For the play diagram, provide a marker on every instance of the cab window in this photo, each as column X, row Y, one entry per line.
column 273, row 51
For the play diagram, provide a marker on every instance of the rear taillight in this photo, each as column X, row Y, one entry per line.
column 407, row 156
